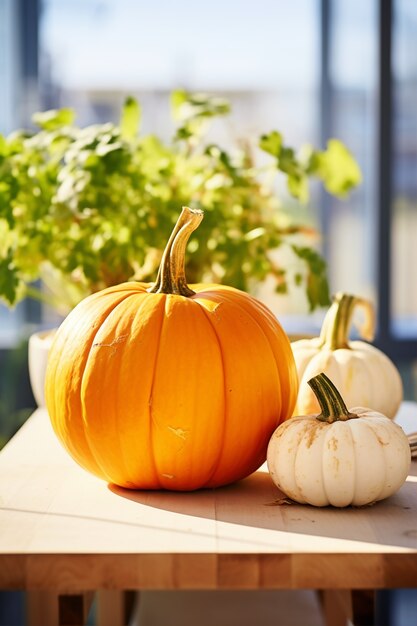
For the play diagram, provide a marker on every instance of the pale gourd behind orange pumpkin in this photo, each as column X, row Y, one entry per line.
column 168, row 386
column 364, row 375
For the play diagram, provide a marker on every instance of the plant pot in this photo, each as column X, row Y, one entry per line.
column 39, row 345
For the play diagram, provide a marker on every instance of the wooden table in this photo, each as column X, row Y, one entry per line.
column 64, row 533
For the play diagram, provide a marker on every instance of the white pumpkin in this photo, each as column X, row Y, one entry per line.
column 339, row 457
column 364, row 375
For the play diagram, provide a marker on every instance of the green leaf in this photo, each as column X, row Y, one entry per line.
column 185, row 132
column 317, row 291
column 5, row 238
column 317, row 287
column 3, row 145
column 282, row 288
column 97, row 208
column 187, row 106
column 287, row 161
column 53, row 119
column 297, row 180
column 298, row 279
column 204, row 105
column 271, row 143
column 193, row 110
column 130, row 119
column 298, row 187
column 337, row 168
column 178, row 98
column 103, row 149
column 9, row 279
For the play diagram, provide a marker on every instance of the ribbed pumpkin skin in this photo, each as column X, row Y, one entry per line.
column 162, row 391
column 356, row 462
column 340, row 456
column 364, row 375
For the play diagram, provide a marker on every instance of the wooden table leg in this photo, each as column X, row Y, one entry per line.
column 114, row 608
column 42, row 608
column 337, row 607
column 48, row 608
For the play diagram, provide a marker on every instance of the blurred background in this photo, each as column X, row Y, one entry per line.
column 312, row 69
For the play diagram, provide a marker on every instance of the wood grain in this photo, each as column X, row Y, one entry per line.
column 61, row 528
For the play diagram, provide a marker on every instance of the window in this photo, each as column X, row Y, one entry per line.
column 310, row 68
column 404, row 172
column 349, row 226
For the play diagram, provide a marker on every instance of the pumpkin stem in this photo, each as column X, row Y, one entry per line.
column 336, row 325
column 171, row 273
column 331, row 402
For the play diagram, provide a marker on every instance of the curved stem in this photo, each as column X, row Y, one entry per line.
column 331, row 402
column 336, row 326
column 171, row 273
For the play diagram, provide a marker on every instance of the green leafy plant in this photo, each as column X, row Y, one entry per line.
column 86, row 208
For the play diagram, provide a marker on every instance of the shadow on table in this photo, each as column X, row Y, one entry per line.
column 254, row 502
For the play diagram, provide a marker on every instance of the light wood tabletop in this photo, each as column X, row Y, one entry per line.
column 63, row 529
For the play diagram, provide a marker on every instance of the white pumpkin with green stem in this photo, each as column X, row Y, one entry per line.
column 341, row 457
column 364, row 375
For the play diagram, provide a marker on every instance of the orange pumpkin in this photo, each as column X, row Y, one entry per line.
column 170, row 386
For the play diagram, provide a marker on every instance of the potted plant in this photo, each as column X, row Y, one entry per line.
column 85, row 208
